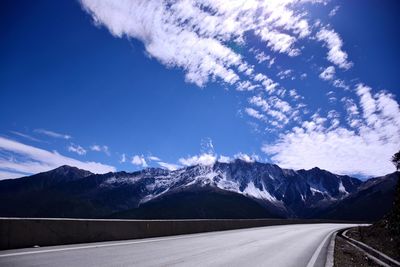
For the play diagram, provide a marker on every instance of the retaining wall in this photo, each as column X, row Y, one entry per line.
column 29, row 232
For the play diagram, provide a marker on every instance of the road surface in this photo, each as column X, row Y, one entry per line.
column 284, row 245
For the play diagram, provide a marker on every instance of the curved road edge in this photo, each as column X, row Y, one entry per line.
column 323, row 255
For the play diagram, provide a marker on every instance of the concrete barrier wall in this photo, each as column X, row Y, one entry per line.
column 29, row 232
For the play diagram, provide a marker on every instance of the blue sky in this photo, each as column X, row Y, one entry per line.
column 106, row 85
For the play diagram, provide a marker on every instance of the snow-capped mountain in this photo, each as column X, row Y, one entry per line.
column 281, row 192
column 288, row 190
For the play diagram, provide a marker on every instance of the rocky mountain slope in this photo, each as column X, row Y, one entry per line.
column 223, row 190
column 371, row 201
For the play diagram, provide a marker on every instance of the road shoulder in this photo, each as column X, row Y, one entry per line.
column 347, row 255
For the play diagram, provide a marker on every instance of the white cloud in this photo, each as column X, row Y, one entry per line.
column 139, row 160
column 246, row 86
column 279, row 42
column 366, row 150
column 18, row 157
column 246, row 157
column 331, row 96
column 333, row 114
column 340, row 84
column 351, row 107
column 259, row 102
column 368, row 104
column 281, row 105
column 224, row 159
column 207, row 146
column 98, row 148
column 196, row 35
column 334, row 43
column 261, row 57
column 353, row 114
column 260, row 77
column 123, row 158
column 153, row 158
column 275, row 108
column 254, row 113
column 192, row 46
column 26, row 136
column 203, row 159
column 271, row 62
column 269, row 85
column 76, row 149
column 334, row 11
column 169, row 166
column 284, row 74
column 106, row 150
column 293, row 93
column 53, row 134
column 328, row 73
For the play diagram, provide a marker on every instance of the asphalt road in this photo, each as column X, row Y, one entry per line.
column 286, row 245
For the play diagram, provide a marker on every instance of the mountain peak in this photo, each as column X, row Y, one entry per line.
column 65, row 167
column 67, row 171
column 70, row 168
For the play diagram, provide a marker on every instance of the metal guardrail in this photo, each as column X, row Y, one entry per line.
column 377, row 256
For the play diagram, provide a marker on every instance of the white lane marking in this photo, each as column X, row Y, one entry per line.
column 314, row 257
column 91, row 246
column 331, row 250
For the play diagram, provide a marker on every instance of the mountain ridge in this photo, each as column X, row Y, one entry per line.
column 280, row 192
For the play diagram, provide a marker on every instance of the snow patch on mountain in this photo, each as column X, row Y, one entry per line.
column 252, row 191
column 113, row 181
column 314, row 191
column 342, row 189
column 152, row 196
